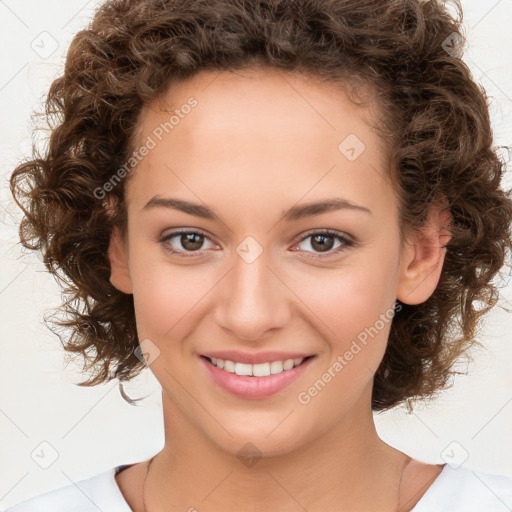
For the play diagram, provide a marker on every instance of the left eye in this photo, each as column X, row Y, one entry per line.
column 321, row 242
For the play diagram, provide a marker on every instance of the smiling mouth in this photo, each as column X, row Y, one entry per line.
column 256, row 370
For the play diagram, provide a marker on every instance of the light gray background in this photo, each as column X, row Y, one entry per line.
column 88, row 430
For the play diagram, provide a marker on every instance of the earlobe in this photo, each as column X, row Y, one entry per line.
column 119, row 268
column 423, row 258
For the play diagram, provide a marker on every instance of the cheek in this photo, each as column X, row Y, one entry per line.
column 348, row 301
column 356, row 313
column 353, row 308
column 168, row 299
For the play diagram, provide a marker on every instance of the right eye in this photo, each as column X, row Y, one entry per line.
column 190, row 241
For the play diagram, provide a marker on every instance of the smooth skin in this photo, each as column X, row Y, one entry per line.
column 257, row 144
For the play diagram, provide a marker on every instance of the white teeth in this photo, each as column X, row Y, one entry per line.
column 261, row 370
column 229, row 366
column 243, row 369
column 288, row 364
column 256, row 370
column 276, row 367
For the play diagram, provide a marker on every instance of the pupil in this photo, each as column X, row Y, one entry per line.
column 188, row 238
column 322, row 245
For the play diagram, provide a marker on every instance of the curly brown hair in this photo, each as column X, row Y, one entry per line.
column 437, row 131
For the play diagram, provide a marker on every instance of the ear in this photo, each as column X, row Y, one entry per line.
column 423, row 258
column 119, row 267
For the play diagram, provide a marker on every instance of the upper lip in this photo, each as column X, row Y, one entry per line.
column 260, row 357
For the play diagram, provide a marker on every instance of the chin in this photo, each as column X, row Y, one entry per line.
column 265, row 441
column 254, row 448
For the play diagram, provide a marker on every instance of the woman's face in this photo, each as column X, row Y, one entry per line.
column 261, row 279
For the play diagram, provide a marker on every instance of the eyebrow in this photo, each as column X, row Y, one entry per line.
column 294, row 213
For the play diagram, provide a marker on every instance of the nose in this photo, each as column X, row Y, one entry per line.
column 254, row 300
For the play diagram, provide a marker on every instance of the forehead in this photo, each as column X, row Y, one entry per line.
column 244, row 98
column 261, row 129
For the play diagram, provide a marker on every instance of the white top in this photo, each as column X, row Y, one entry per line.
column 454, row 490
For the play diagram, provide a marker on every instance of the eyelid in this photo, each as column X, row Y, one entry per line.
column 325, row 231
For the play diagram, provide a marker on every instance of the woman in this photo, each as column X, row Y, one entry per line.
column 288, row 211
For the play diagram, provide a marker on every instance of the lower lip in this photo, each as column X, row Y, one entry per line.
column 254, row 387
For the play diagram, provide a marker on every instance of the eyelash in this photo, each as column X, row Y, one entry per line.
column 346, row 242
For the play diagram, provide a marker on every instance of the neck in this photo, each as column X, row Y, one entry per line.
column 347, row 468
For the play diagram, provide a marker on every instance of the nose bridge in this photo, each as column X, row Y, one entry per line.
column 254, row 300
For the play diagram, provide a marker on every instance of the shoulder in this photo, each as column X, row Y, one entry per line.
column 467, row 490
column 98, row 492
